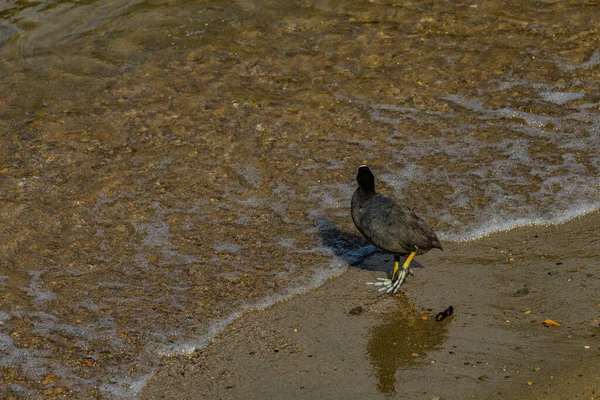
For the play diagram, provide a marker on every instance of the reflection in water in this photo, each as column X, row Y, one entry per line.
column 400, row 341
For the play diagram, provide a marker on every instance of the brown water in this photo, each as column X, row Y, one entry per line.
column 167, row 164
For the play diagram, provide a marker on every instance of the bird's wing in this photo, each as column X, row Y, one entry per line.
column 394, row 227
column 419, row 233
column 383, row 223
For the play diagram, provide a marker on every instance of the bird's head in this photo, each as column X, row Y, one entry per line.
column 365, row 179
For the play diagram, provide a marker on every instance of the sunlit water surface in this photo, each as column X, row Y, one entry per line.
column 166, row 165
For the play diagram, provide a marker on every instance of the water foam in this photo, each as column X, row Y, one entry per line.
column 564, row 188
column 500, row 225
column 334, row 268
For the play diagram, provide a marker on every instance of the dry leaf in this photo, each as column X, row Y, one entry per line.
column 550, row 322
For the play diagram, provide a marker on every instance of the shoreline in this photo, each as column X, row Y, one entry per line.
column 502, row 288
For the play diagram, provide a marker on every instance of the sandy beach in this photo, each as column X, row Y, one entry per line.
column 344, row 340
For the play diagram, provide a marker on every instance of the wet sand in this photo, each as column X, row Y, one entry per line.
column 502, row 288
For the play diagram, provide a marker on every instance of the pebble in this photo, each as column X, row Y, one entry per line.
column 356, row 310
column 49, row 379
column 523, row 291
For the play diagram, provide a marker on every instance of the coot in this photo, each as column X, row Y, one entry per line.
column 391, row 226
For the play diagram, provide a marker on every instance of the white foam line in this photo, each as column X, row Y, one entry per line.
column 589, row 63
column 505, row 226
column 335, row 268
column 131, row 388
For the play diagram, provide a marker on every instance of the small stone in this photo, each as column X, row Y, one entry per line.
column 483, row 378
column 356, row 310
column 552, row 273
column 523, row 291
column 49, row 379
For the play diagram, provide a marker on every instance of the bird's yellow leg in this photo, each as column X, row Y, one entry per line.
column 408, row 260
column 395, row 273
column 404, row 266
column 398, row 276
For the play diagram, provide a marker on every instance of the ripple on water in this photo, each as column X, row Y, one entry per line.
column 170, row 166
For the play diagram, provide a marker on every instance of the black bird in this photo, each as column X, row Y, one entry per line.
column 391, row 226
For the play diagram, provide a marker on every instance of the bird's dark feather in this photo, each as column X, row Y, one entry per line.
column 390, row 225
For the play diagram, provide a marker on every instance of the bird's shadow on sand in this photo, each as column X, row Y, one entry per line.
column 356, row 250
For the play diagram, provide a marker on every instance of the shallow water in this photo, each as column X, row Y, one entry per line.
column 168, row 164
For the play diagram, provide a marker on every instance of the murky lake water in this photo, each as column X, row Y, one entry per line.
column 168, row 164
